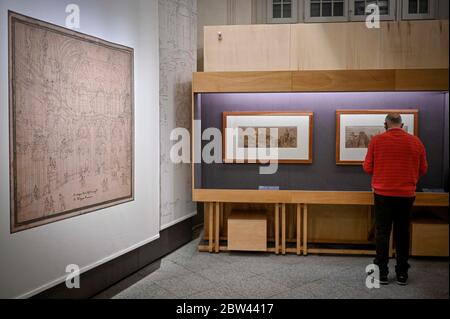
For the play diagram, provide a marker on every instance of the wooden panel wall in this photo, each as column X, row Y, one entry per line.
column 339, row 223
column 242, row 45
column 327, row 46
column 429, row 239
column 322, row 81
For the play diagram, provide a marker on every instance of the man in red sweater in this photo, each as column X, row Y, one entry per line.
column 396, row 160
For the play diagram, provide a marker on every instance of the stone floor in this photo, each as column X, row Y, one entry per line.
column 187, row 273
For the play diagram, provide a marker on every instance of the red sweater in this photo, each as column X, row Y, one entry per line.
column 396, row 160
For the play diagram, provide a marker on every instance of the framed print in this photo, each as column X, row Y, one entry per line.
column 356, row 128
column 259, row 137
column 71, row 123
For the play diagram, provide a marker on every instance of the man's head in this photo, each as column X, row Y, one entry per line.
column 393, row 120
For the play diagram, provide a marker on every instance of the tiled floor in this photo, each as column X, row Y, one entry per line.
column 187, row 273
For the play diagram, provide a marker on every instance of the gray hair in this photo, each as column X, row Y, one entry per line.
column 394, row 118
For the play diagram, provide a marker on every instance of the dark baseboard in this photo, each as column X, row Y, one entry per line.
column 106, row 275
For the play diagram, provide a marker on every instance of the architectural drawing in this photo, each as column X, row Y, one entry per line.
column 71, row 123
column 251, row 136
column 178, row 59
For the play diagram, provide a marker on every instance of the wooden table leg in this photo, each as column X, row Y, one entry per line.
column 277, row 228
column 211, row 224
column 217, row 224
column 305, row 229
column 283, row 229
column 221, row 217
column 298, row 228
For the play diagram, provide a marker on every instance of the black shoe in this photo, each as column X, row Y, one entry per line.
column 402, row 279
column 384, row 280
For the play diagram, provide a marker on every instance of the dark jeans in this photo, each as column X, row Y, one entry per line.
column 392, row 210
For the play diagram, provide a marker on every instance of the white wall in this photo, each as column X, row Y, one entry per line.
column 35, row 259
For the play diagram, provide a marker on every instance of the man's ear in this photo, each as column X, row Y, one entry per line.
column 402, row 125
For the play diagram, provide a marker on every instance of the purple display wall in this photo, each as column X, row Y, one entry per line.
column 323, row 173
column 445, row 175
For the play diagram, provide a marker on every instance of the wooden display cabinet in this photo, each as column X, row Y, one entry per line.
column 429, row 238
column 294, row 217
column 247, row 230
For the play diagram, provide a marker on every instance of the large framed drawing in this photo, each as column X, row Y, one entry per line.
column 71, row 102
column 283, row 137
column 356, row 128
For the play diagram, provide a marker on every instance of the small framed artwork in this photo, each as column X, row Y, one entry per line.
column 259, row 137
column 356, row 128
